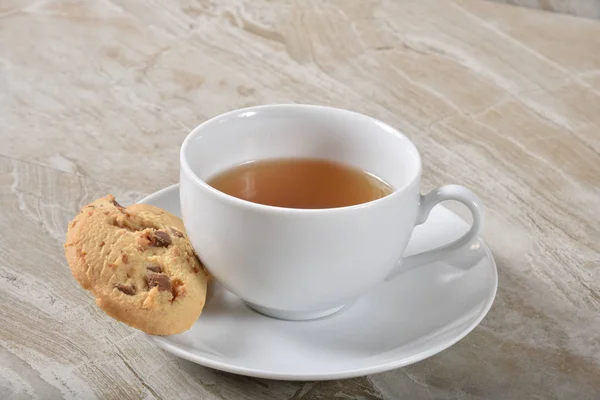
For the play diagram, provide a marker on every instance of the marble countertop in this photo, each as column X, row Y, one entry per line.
column 582, row 8
column 97, row 96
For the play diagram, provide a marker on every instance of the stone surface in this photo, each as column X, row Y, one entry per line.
column 582, row 8
column 96, row 97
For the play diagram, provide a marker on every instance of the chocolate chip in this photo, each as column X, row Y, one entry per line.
column 127, row 289
column 125, row 258
column 161, row 281
column 175, row 232
column 116, row 203
column 160, row 239
column 154, row 267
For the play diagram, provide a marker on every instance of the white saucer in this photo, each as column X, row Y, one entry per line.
column 402, row 321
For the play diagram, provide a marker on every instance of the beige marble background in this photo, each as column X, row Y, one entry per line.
column 96, row 97
column 581, row 8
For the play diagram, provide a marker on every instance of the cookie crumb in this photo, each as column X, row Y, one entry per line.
column 81, row 254
column 178, row 289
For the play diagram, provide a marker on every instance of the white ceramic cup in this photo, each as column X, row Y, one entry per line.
column 304, row 263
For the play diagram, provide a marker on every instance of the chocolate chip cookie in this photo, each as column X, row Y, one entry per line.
column 139, row 264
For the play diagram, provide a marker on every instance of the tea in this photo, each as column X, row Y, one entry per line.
column 300, row 183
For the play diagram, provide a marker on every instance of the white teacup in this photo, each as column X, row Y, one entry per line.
column 302, row 264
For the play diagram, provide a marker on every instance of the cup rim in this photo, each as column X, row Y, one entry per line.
column 276, row 209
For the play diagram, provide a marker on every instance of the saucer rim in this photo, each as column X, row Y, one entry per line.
column 181, row 351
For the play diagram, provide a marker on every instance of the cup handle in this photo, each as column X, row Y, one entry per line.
column 426, row 203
